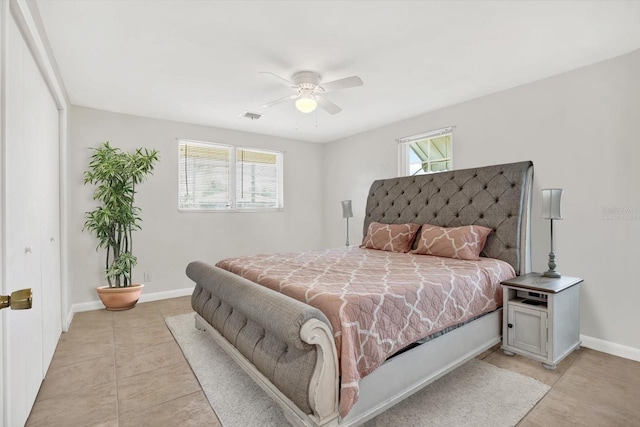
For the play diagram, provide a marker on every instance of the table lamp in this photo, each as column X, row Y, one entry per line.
column 551, row 210
column 347, row 213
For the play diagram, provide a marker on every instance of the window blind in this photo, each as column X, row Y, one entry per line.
column 222, row 177
column 257, row 179
column 204, row 172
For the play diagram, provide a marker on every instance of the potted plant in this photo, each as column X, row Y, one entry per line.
column 116, row 175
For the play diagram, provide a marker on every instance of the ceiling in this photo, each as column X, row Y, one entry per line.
column 199, row 61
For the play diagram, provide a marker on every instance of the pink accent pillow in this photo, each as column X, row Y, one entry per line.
column 465, row 242
column 390, row 237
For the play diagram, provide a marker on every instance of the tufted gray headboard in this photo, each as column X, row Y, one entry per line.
column 498, row 197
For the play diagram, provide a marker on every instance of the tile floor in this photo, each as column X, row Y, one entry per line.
column 117, row 369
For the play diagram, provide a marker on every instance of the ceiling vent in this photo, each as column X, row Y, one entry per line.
column 250, row 115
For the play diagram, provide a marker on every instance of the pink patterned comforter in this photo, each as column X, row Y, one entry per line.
column 378, row 302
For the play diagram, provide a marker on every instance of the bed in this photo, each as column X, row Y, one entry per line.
column 296, row 352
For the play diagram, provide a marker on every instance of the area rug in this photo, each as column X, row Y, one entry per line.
column 475, row 394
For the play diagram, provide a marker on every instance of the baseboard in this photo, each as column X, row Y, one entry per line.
column 167, row 294
column 610, row 347
column 146, row 297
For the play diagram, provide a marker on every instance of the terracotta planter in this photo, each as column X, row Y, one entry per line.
column 118, row 299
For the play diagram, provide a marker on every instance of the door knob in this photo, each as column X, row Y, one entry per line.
column 18, row 300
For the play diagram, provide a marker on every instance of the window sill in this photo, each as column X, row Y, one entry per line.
column 254, row 210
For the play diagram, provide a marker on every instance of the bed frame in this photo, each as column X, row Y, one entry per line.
column 287, row 346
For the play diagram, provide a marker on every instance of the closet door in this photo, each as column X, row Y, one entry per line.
column 31, row 223
column 42, row 144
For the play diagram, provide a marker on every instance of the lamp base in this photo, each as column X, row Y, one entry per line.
column 347, row 242
column 551, row 272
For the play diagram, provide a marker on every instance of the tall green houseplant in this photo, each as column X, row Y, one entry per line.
column 116, row 175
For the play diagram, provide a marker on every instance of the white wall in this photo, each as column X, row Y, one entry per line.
column 169, row 239
column 581, row 130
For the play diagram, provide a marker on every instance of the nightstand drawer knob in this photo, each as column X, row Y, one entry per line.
column 510, row 325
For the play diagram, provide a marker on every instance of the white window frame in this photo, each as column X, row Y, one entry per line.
column 403, row 148
column 233, row 178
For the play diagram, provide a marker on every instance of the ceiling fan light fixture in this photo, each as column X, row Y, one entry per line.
column 309, row 91
column 306, row 104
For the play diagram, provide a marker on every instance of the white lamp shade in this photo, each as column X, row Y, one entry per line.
column 551, row 206
column 306, row 104
column 346, row 209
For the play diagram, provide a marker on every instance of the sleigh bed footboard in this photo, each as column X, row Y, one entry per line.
column 285, row 345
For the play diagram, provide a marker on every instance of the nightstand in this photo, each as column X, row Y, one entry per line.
column 541, row 317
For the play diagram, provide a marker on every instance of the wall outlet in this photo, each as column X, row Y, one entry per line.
column 147, row 276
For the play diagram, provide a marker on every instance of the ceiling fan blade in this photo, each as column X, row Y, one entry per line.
column 345, row 83
column 327, row 105
column 280, row 79
column 278, row 101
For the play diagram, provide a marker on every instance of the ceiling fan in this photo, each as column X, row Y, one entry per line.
column 309, row 91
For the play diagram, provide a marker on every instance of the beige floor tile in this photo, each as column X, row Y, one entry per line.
column 112, row 423
column 130, row 319
column 79, row 345
column 532, row 368
column 61, row 380
column 135, row 325
column 485, row 353
column 623, row 372
column 156, row 387
column 87, row 335
column 100, row 314
column 561, row 409
column 142, row 306
column 140, row 322
column 184, row 301
column 606, row 381
column 189, row 411
column 93, row 406
column 176, row 306
column 97, row 320
column 132, row 360
column 175, row 312
column 142, row 335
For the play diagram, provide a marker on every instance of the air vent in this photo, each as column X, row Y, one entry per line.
column 250, row 115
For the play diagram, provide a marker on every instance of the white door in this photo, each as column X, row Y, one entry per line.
column 31, row 252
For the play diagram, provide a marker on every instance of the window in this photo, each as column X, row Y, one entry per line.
column 224, row 177
column 426, row 153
